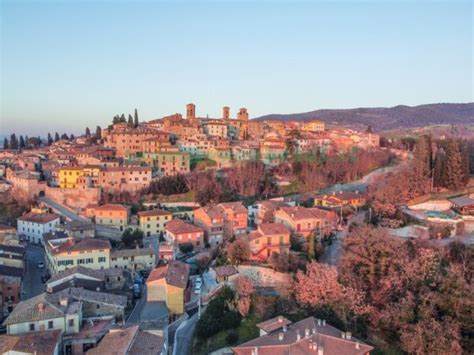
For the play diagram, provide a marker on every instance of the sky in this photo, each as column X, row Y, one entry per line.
column 66, row 65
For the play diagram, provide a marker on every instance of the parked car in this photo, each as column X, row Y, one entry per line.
column 137, row 291
column 198, row 281
column 40, row 264
column 197, row 289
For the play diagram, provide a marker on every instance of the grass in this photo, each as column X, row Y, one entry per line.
column 201, row 163
column 186, row 197
column 247, row 330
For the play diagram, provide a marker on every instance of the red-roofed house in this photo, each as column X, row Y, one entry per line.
column 303, row 221
column 178, row 232
column 112, row 215
column 269, row 238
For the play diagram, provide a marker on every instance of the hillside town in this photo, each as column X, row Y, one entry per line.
column 224, row 235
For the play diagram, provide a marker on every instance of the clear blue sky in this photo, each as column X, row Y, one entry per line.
column 70, row 64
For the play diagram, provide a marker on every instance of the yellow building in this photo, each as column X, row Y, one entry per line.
column 63, row 253
column 72, row 177
column 169, row 284
column 153, row 222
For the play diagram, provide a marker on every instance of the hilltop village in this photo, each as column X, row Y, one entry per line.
column 189, row 234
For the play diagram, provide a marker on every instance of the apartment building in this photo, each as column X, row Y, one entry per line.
column 268, row 239
column 125, row 178
column 153, row 222
column 112, row 215
column 32, row 226
column 304, row 221
column 179, row 232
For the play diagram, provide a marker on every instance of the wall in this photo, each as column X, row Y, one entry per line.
column 77, row 199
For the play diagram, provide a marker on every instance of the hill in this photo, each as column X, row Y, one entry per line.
column 387, row 118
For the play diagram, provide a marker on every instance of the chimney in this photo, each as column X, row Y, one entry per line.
column 348, row 335
column 285, row 329
column 40, row 307
column 63, row 301
column 255, row 351
column 298, row 336
column 280, row 336
column 321, row 350
column 319, row 322
column 324, row 322
column 280, row 319
column 343, row 335
column 357, row 345
column 306, row 332
column 313, row 330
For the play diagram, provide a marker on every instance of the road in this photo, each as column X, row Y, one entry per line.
column 333, row 252
column 183, row 337
column 32, row 285
column 134, row 316
column 63, row 211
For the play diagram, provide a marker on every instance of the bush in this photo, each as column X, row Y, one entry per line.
column 186, row 248
column 232, row 337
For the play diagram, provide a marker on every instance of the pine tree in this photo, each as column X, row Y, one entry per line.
column 27, row 142
column 88, row 132
column 454, row 167
column 13, row 141
column 136, row 118
column 50, row 139
column 122, row 118
column 71, row 137
column 439, row 176
column 65, row 136
column 56, row 137
column 130, row 121
column 466, row 174
column 5, row 143
column 22, row 142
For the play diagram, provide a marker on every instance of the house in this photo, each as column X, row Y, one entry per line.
column 45, row 312
column 235, row 218
column 36, row 343
column 90, row 334
column 112, row 215
column 125, row 178
column 179, row 232
column 279, row 336
column 78, row 176
column 464, row 205
column 134, row 260
column 212, row 220
column 166, row 252
column 63, row 252
column 10, row 288
column 12, row 255
column 313, row 126
column 265, row 210
column 341, row 199
column 169, row 284
column 6, row 230
column 225, row 273
column 94, row 280
column 33, row 225
column 169, row 163
column 79, row 229
column 269, row 238
column 304, row 221
column 130, row 341
column 153, row 222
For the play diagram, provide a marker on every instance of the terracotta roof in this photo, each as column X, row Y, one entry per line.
column 81, row 294
column 147, row 343
column 82, row 245
column 178, row 226
column 127, row 168
column 39, row 343
column 273, row 324
column 273, row 228
column 40, row 218
column 131, row 252
column 78, row 225
column 306, row 213
column 272, row 204
column 237, row 207
column 153, row 213
column 178, row 274
column 96, row 274
column 112, row 207
column 157, row 274
column 116, row 342
column 226, row 270
column 304, row 337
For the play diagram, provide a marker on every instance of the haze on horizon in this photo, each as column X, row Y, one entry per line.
column 68, row 65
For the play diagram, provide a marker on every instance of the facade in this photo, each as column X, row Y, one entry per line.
column 313, row 126
column 235, row 217
column 73, row 177
column 179, row 232
column 304, row 221
column 212, row 220
column 153, row 222
column 169, row 284
column 112, row 215
column 34, row 225
column 37, row 343
column 169, row 163
column 10, row 288
column 125, row 178
column 268, row 239
column 133, row 260
column 341, row 199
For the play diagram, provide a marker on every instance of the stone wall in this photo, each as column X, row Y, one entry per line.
column 77, row 199
column 264, row 277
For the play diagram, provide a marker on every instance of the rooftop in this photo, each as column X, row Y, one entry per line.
column 40, row 218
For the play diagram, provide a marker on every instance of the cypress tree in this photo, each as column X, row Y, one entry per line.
column 22, row 142
column 27, row 142
column 454, row 167
column 13, row 141
column 98, row 132
column 130, row 121
column 71, row 137
column 50, row 139
column 65, row 136
column 136, row 118
column 439, row 176
column 88, row 132
column 56, row 137
column 5, row 143
column 122, row 118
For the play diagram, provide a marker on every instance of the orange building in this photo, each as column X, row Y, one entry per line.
column 125, row 178
column 304, row 221
column 212, row 220
column 269, row 238
column 178, row 232
column 112, row 215
column 235, row 217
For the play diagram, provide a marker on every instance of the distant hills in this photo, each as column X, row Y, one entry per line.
column 387, row 118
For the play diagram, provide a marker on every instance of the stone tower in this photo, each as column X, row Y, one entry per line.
column 190, row 111
column 243, row 114
column 226, row 112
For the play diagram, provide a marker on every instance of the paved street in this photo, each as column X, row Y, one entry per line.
column 333, row 252
column 63, row 211
column 134, row 317
column 32, row 285
column 183, row 337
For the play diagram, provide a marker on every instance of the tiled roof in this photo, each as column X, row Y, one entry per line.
column 112, row 207
column 178, row 226
column 153, row 213
column 304, row 337
column 40, row 218
column 96, row 274
column 462, row 201
column 30, row 310
column 39, row 343
column 116, row 341
column 237, row 207
column 226, row 270
column 176, row 274
column 306, row 213
column 78, row 225
column 81, row 294
column 273, row 228
column 83, row 245
column 273, row 324
column 147, row 343
column 130, row 252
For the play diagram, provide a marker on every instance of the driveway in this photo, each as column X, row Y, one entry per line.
column 32, row 285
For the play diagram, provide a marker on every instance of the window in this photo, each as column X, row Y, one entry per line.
column 50, row 324
column 97, row 306
column 32, row 327
column 71, row 322
column 89, row 260
column 101, row 259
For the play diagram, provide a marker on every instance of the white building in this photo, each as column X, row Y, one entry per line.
column 34, row 225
